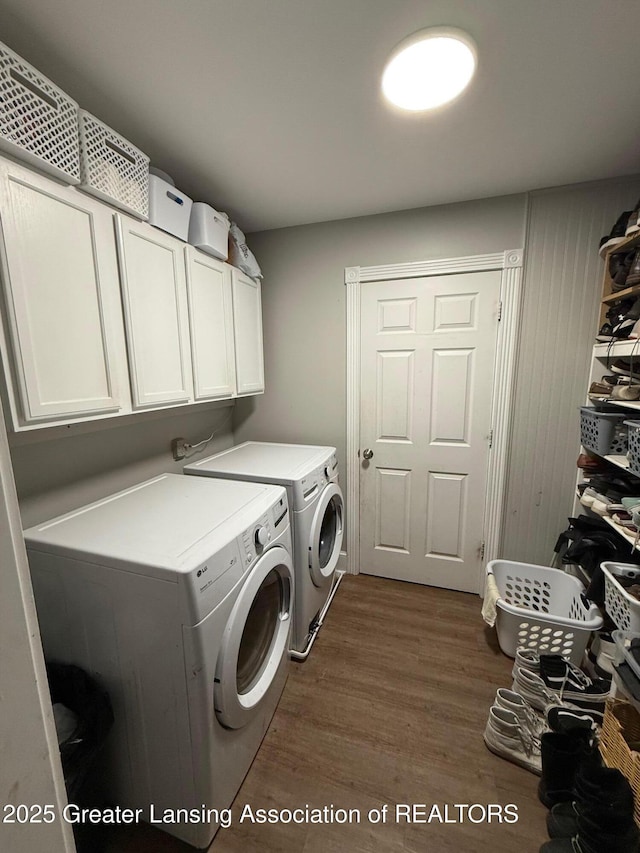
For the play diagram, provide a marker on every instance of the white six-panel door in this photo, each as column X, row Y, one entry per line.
column 427, row 361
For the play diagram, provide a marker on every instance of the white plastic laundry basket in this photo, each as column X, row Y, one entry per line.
column 623, row 608
column 543, row 609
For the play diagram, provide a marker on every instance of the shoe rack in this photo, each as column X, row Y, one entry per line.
column 603, row 355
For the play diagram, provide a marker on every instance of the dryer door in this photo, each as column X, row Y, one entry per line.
column 325, row 538
column 256, row 638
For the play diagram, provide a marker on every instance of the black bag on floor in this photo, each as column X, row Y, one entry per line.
column 73, row 688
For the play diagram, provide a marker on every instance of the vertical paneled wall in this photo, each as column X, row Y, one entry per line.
column 560, row 310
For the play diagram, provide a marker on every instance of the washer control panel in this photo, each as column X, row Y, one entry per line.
column 257, row 537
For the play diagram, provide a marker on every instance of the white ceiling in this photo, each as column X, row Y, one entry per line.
column 270, row 109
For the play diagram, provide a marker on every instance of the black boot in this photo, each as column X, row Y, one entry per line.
column 602, row 794
column 591, row 838
column 561, row 757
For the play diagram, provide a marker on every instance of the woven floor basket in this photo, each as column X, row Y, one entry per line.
column 621, row 726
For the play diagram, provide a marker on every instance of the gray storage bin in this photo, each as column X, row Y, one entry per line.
column 603, row 433
column 633, row 454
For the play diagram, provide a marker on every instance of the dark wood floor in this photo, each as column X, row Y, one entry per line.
column 389, row 708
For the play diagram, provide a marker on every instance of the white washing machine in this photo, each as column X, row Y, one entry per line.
column 176, row 595
column 310, row 475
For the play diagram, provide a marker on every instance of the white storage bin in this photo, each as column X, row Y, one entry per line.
column 542, row 609
column 623, row 608
column 169, row 209
column 38, row 121
column 112, row 168
column 209, row 230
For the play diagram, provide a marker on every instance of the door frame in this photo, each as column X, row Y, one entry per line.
column 32, row 769
column 509, row 263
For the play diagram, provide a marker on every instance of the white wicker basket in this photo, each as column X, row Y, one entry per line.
column 543, row 609
column 112, row 168
column 623, row 608
column 38, row 121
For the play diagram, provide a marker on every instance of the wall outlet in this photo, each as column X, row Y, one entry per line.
column 178, row 448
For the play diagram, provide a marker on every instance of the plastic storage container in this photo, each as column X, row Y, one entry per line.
column 623, row 608
column 622, row 640
column 542, row 609
column 169, row 209
column 38, row 121
column 633, row 453
column 604, row 433
column 209, row 230
column 112, row 168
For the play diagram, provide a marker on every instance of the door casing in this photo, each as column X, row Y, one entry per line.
column 510, row 264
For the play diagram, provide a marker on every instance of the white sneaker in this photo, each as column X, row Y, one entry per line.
column 514, row 702
column 526, row 659
column 505, row 736
column 533, row 690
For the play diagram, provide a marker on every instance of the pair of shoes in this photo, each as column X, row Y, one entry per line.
column 602, row 653
column 626, row 367
column 633, row 225
column 619, row 320
column 561, row 754
column 590, row 464
column 617, row 234
column 622, row 319
column 600, row 389
column 559, row 682
column 633, row 276
column 571, row 683
column 602, row 503
column 625, row 392
column 514, row 729
column 597, row 818
column 619, row 267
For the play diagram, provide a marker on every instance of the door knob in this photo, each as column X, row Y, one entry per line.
column 367, row 454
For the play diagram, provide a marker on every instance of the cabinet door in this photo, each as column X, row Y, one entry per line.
column 60, row 286
column 211, row 326
column 247, row 325
column 155, row 311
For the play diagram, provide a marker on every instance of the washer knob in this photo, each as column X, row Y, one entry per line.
column 261, row 536
column 327, row 472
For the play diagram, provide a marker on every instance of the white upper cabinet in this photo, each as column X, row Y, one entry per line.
column 60, row 280
column 155, row 310
column 211, row 326
column 247, row 325
column 102, row 315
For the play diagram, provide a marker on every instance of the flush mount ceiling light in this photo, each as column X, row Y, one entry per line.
column 429, row 68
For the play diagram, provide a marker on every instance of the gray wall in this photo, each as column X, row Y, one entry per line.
column 304, row 305
column 61, row 468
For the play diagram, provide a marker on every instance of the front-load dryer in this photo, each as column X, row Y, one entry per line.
column 310, row 475
column 175, row 595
